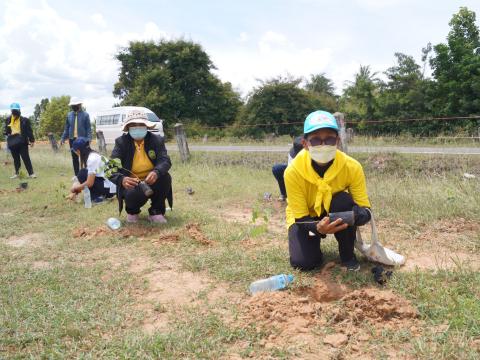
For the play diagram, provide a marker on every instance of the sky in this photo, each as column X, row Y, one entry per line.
column 62, row 47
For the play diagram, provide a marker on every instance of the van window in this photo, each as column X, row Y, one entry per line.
column 152, row 117
column 108, row 119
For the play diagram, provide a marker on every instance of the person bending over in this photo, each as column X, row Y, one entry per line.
column 91, row 174
column 279, row 169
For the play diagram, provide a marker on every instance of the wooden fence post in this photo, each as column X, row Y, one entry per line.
column 340, row 117
column 102, row 145
column 53, row 142
column 182, row 142
column 350, row 135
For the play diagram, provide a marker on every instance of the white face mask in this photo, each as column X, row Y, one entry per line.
column 322, row 154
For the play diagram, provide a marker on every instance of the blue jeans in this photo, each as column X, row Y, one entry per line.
column 278, row 170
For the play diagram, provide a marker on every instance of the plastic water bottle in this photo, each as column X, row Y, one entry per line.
column 114, row 223
column 86, row 197
column 273, row 283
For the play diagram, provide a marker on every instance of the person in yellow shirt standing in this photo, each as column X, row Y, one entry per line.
column 19, row 135
column 144, row 160
column 322, row 180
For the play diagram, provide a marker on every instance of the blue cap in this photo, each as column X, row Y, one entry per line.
column 319, row 120
column 290, row 278
column 15, row 106
column 79, row 143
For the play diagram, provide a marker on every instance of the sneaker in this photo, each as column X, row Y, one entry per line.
column 158, row 219
column 352, row 265
column 32, row 176
column 132, row 218
column 98, row 199
column 282, row 198
column 14, row 176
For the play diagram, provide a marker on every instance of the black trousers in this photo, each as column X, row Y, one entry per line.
column 305, row 252
column 22, row 152
column 98, row 189
column 278, row 170
column 75, row 158
column 135, row 198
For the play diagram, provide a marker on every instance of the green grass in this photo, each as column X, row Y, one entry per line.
column 359, row 140
column 60, row 298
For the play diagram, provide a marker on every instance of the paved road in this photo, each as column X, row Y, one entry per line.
column 354, row 149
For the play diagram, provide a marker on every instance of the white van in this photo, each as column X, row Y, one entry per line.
column 110, row 121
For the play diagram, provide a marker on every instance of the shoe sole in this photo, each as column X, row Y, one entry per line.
column 354, row 269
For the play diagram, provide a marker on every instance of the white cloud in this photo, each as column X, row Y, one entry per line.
column 243, row 37
column 271, row 39
column 43, row 54
column 275, row 55
column 99, row 20
column 378, row 4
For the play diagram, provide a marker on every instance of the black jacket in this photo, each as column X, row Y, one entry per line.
column 25, row 129
column 125, row 150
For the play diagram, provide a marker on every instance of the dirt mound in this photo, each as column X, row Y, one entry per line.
column 325, row 289
column 194, row 231
column 140, row 232
column 374, row 305
column 305, row 312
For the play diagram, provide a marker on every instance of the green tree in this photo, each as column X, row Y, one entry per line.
column 320, row 84
column 456, row 70
column 3, row 119
column 359, row 100
column 402, row 96
column 456, row 67
column 53, row 118
column 39, row 109
column 323, row 90
column 37, row 112
column 277, row 102
column 175, row 80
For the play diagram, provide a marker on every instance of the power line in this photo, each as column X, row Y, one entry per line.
column 352, row 122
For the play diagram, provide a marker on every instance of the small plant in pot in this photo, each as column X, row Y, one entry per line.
column 112, row 166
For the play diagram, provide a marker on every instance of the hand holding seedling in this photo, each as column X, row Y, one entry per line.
column 151, row 178
column 324, row 226
column 129, row 182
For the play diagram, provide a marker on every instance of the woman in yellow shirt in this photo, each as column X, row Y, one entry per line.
column 19, row 136
column 144, row 159
column 321, row 180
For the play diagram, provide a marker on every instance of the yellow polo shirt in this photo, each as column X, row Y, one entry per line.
column 142, row 164
column 308, row 194
column 15, row 125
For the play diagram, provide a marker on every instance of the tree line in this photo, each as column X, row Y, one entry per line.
column 176, row 80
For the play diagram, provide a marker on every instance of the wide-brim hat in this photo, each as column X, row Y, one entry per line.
column 75, row 101
column 137, row 117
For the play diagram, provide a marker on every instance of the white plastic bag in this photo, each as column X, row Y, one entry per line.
column 376, row 252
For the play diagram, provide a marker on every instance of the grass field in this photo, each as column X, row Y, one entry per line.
column 72, row 288
column 359, row 140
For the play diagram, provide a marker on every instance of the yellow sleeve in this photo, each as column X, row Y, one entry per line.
column 358, row 187
column 296, row 197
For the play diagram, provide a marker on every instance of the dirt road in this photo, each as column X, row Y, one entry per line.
column 354, row 149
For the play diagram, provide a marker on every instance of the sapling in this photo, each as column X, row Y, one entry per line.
column 111, row 166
